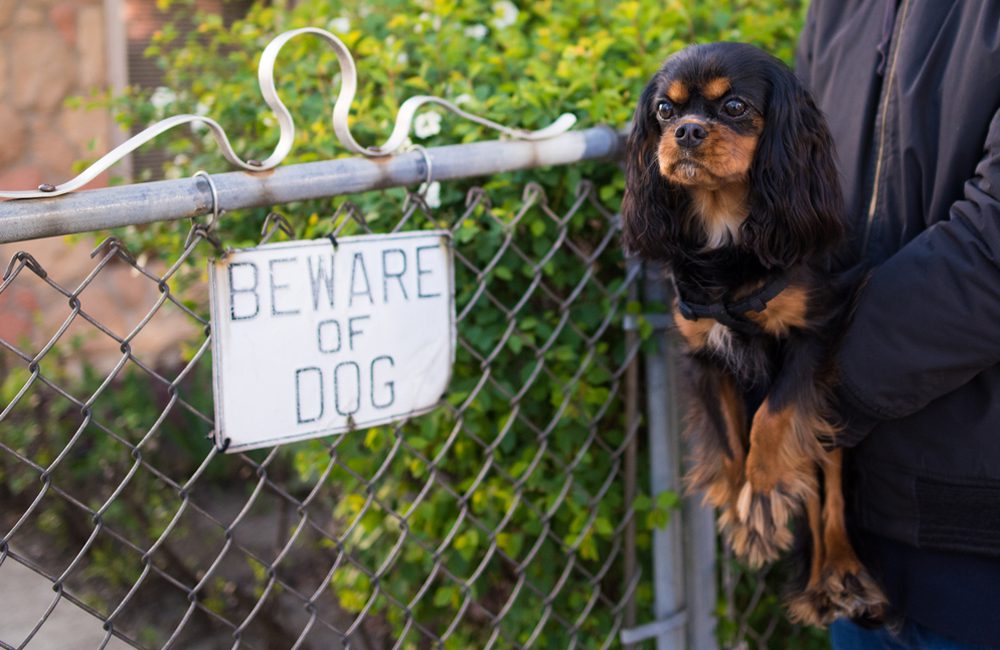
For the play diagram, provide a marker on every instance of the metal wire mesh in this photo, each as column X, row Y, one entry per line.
column 504, row 518
column 752, row 613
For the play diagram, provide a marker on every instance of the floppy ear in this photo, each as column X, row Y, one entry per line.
column 651, row 208
column 796, row 205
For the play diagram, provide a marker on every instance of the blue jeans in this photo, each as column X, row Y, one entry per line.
column 845, row 635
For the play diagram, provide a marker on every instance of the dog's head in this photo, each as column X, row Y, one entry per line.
column 728, row 149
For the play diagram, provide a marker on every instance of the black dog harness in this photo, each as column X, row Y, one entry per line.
column 732, row 314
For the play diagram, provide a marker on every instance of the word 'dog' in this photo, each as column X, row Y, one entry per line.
column 311, row 339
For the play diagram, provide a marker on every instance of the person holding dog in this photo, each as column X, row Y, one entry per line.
column 911, row 90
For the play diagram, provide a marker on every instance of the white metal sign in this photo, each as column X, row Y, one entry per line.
column 309, row 339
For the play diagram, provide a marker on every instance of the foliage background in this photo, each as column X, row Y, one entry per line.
column 520, row 64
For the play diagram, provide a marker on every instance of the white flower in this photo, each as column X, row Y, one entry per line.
column 162, row 97
column 464, row 98
column 427, row 124
column 477, row 31
column 426, row 17
column 506, row 14
column 402, row 58
column 140, row 262
column 431, row 194
column 340, row 24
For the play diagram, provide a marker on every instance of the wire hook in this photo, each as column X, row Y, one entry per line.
column 272, row 223
column 216, row 210
column 428, row 165
column 424, row 187
column 204, row 230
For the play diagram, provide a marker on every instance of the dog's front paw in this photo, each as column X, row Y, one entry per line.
column 759, row 530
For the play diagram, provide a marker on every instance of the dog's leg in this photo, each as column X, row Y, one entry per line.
column 717, row 432
column 784, row 450
column 845, row 579
column 811, row 604
column 779, row 481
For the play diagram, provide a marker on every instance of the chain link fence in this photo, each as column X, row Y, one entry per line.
column 752, row 614
column 505, row 518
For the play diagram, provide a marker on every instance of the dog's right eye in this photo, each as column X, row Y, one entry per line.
column 664, row 110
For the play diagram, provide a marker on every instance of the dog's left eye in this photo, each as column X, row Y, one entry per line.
column 735, row 107
column 664, row 110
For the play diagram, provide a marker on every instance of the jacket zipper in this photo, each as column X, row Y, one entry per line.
column 884, row 110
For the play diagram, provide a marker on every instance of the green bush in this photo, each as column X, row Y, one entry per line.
column 522, row 66
column 589, row 58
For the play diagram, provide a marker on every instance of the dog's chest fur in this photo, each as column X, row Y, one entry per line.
column 721, row 214
column 720, row 340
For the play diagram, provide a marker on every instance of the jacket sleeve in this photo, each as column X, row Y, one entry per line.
column 804, row 48
column 928, row 320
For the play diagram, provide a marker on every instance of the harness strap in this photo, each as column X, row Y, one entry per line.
column 732, row 314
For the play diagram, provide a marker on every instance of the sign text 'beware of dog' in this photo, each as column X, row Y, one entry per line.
column 309, row 339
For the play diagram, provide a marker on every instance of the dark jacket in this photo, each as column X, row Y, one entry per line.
column 911, row 90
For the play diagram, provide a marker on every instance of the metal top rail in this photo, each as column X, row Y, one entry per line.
column 189, row 197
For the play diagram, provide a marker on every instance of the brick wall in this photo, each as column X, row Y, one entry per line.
column 50, row 50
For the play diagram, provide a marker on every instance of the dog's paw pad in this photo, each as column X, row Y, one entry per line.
column 812, row 607
column 854, row 593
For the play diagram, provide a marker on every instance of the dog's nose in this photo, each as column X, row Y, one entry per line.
column 690, row 135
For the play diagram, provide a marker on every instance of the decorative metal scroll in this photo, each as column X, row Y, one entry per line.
column 341, row 111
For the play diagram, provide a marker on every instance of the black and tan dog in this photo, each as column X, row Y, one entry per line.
column 731, row 181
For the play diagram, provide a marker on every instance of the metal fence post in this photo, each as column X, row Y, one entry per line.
column 684, row 571
column 700, row 575
column 664, row 454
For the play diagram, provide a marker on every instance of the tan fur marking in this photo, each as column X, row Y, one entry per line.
column 722, row 212
column 845, row 580
column 769, row 454
column 784, row 312
column 715, row 88
column 727, row 154
column 723, row 158
column 695, row 332
column 834, row 528
column 814, row 511
column 678, row 92
column 783, row 448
